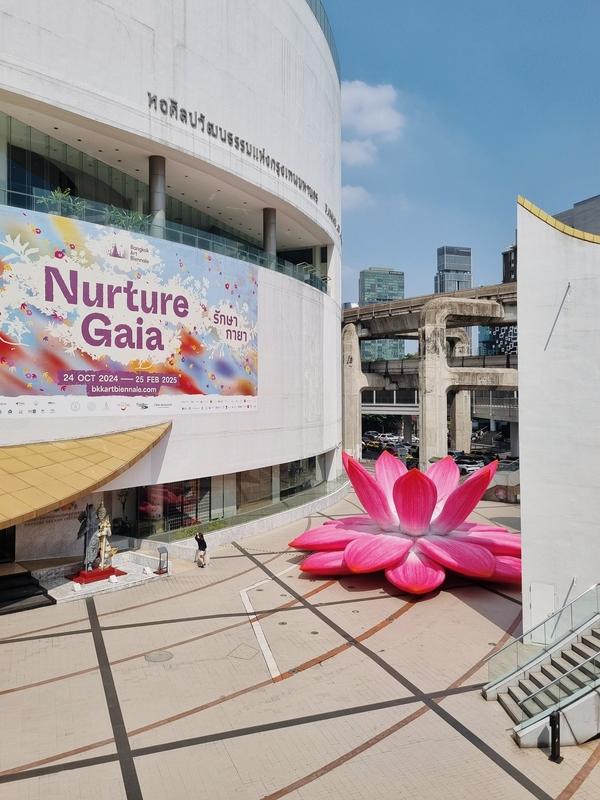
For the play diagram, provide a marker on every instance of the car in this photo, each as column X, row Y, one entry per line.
column 509, row 465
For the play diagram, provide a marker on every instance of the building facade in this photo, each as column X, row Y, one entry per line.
column 453, row 269
column 559, row 338
column 499, row 340
column 378, row 285
column 585, row 215
column 172, row 221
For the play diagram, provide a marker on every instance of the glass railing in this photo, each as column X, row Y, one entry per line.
column 318, row 10
column 543, row 637
column 112, row 216
column 563, row 690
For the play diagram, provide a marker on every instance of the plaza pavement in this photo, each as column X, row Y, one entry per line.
column 345, row 689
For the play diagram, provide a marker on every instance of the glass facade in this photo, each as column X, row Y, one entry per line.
column 453, row 269
column 45, row 174
column 497, row 340
column 318, row 10
column 379, row 285
column 172, row 511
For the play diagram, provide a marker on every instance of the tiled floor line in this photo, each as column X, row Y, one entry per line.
column 19, row 636
column 168, row 646
column 129, row 774
column 475, row 740
column 38, row 767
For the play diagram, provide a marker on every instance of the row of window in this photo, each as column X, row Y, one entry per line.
column 174, row 507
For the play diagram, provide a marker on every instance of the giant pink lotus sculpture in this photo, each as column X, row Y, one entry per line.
column 415, row 529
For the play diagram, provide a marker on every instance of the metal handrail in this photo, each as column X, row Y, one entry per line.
column 560, row 678
column 535, row 627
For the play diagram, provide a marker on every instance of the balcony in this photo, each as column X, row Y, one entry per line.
column 65, row 205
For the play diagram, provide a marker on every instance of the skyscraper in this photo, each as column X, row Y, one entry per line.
column 378, row 285
column 453, row 269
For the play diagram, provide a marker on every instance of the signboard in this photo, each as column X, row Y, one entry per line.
column 102, row 321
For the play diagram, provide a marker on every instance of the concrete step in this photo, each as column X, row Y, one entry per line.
column 595, row 632
column 511, row 708
column 584, row 649
column 567, row 685
column 593, row 642
column 543, row 699
column 542, row 681
column 26, row 603
column 578, row 653
column 528, row 708
column 561, row 664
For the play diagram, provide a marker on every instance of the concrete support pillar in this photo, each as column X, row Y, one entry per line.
column 514, row 439
column 492, row 426
column 353, row 383
column 407, row 429
column 460, row 420
column 270, row 233
column 433, row 386
column 158, row 194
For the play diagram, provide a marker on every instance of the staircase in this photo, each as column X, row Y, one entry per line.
column 560, row 679
column 21, row 591
column 554, row 666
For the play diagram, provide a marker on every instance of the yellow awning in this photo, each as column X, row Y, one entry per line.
column 38, row 478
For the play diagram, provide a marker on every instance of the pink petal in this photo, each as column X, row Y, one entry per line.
column 325, row 538
column 446, row 475
column 500, row 544
column 464, row 499
column 467, row 559
column 388, row 469
column 372, row 553
column 359, row 519
column 415, row 496
column 481, row 527
column 369, row 493
column 508, row 570
column 325, row 564
column 417, row 574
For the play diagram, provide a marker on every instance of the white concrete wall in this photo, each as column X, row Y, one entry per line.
column 299, row 399
column 260, row 68
column 559, row 402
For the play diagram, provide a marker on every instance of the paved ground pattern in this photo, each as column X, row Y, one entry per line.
column 317, row 689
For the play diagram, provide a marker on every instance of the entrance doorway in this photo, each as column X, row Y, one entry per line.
column 7, row 545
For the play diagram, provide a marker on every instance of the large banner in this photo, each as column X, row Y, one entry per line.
column 102, row 321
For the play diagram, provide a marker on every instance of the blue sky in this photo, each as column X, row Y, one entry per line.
column 451, row 109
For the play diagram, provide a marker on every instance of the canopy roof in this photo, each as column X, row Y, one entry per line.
column 41, row 477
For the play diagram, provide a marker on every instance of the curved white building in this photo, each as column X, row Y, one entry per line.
column 170, row 218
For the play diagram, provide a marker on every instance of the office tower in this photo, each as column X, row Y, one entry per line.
column 379, row 285
column 453, row 269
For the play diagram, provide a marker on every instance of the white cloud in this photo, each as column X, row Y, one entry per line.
column 370, row 111
column 355, row 197
column 358, row 152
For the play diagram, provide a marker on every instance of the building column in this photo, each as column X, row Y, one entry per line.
column 433, row 387
column 158, row 194
column 275, row 483
column 3, row 158
column 460, row 420
column 353, row 382
column 514, row 439
column 270, row 234
column 230, row 495
column 407, row 429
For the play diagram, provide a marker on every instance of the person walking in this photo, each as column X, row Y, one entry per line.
column 201, row 556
